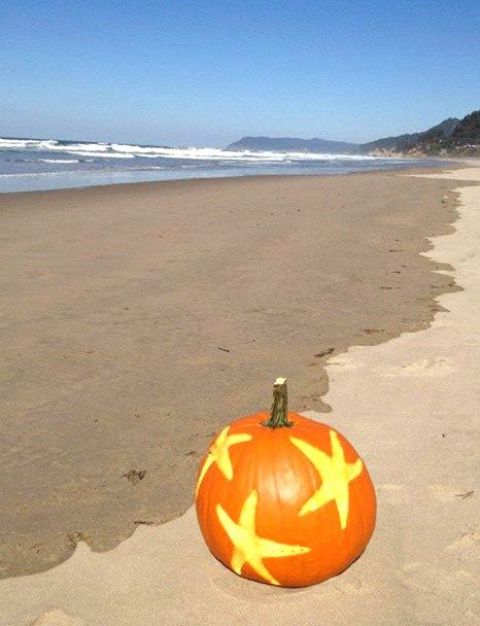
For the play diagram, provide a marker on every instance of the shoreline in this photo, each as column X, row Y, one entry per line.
column 443, row 164
column 399, row 403
column 111, row 311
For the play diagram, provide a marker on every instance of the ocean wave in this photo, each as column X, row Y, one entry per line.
column 32, row 174
column 9, row 144
column 102, row 155
column 216, row 154
column 59, row 160
column 131, row 151
column 97, row 148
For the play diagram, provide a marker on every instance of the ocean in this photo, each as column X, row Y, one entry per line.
column 41, row 164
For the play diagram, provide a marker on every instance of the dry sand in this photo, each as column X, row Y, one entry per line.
column 118, row 306
column 411, row 407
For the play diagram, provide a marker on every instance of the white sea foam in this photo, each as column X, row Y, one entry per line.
column 128, row 151
column 75, row 147
column 102, row 155
column 12, row 144
column 59, row 160
column 216, row 154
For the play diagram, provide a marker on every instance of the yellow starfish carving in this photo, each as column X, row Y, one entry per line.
column 336, row 474
column 219, row 454
column 248, row 546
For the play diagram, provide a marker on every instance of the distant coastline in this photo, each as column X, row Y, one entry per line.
column 452, row 136
column 28, row 164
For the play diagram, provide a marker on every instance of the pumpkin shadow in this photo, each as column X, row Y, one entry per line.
column 245, row 589
column 231, row 584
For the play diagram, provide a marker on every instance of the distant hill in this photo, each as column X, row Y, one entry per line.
column 418, row 141
column 467, row 131
column 452, row 136
column 294, row 144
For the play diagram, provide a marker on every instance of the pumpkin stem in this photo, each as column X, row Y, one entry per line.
column 279, row 412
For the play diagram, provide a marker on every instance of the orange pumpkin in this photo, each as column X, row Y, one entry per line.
column 283, row 499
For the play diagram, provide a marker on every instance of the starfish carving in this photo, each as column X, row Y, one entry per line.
column 336, row 475
column 248, row 547
column 219, row 454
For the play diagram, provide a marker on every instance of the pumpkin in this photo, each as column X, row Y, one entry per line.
column 284, row 500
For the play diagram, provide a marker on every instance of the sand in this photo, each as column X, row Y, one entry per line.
column 410, row 405
column 138, row 319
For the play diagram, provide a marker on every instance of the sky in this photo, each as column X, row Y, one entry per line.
column 207, row 72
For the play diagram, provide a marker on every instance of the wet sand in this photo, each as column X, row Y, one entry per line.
column 137, row 319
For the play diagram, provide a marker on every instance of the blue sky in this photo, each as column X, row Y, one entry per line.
column 207, row 72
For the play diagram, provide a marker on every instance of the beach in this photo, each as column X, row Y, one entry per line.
column 138, row 320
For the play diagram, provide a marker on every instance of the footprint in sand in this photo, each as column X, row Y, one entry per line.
column 425, row 577
column 56, row 617
column 353, row 587
column 425, row 368
column 451, row 493
column 468, row 543
column 429, row 367
column 392, row 494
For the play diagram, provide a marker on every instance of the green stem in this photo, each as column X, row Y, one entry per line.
column 279, row 412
